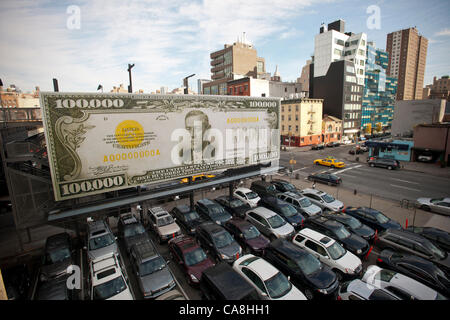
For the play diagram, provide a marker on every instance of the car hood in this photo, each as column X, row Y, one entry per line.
column 112, row 248
column 336, row 204
column 56, row 269
column 323, row 279
column 364, row 231
column 355, row 242
column 198, row 269
column 129, row 241
column 284, row 230
column 169, row 229
column 424, row 200
column 296, row 219
column 294, row 294
column 124, row 295
column 258, row 243
column 194, row 223
column 312, row 209
column 349, row 260
column 230, row 250
column 156, row 280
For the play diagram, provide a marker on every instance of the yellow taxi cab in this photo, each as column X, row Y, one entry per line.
column 330, row 162
column 198, row 177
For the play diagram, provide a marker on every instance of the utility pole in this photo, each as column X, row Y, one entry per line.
column 186, row 83
column 130, row 87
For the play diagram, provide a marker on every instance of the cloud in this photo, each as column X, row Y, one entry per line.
column 443, row 32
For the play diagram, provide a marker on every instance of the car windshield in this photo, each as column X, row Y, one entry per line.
column 191, row 216
column 235, row 203
column 381, row 218
column 151, row 266
column 436, row 200
column 194, row 257
column 435, row 250
column 276, row 221
column 222, row 239
column 288, row 211
column 251, row 195
column 336, row 251
column 216, row 212
column 309, row 264
column 164, row 221
column 289, row 187
column 133, row 230
column 305, row 202
column 353, row 223
column 58, row 255
column 271, row 188
column 278, row 286
column 327, row 198
column 251, row 233
column 341, row 232
column 101, row 241
column 108, row 289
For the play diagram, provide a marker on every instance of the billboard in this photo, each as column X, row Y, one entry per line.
column 101, row 142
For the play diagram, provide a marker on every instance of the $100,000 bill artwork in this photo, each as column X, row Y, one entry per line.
column 104, row 142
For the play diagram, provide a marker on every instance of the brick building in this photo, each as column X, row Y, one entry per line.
column 331, row 129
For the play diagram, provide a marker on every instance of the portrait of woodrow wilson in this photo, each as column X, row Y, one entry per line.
column 196, row 123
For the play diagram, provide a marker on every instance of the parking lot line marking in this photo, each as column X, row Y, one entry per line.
column 394, row 185
column 404, row 181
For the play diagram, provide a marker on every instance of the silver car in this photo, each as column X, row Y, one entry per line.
column 301, row 203
column 323, row 199
column 100, row 240
column 269, row 223
column 439, row 205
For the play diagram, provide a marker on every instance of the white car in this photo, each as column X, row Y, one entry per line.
column 330, row 252
column 323, row 199
column 108, row 280
column 359, row 290
column 268, row 281
column 440, row 205
column 270, row 223
column 247, row 196
column 399, row 285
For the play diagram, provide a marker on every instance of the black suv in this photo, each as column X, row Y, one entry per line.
column 233, row 205
column 187, row 218
column 383, row 163
column 284, row 186
column 211, row 210
column 372, row 218
column 325, row 177
column 131, row 230
column 412, row 243
column 57, row 256
column 264, row 188
column 336, row 230
column 218, row 242
column 352, row 224
column 306, row 271
column 437, row 236
column 417, row 268
column 222, row 282
column 284, row 209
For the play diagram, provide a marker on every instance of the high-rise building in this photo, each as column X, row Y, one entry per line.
column 379, row 92
column 233, row 62
column 200, row 83
column 304, row 77
column 407, row 57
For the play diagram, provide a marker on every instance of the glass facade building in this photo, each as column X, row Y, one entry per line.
column 379, row 93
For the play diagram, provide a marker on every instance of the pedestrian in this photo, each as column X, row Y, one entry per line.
column 314, row 185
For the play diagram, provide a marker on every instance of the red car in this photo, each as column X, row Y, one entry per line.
column 185, row 251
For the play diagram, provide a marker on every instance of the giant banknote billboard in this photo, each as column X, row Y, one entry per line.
column 104, row 142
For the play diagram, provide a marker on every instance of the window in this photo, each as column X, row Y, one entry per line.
column 296, row 128
column 311, row 245
column 254, row 278
column 282, row 118
column 338, row 52
column 296, row 117
column 299, row 238
column 296, row 108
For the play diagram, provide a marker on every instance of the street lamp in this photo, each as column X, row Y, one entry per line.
column 130, row 87
column 186, row 84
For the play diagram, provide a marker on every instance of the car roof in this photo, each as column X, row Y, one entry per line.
column 158, row 211
column 104, row 262
column 293, row 195
column 324, row 220
column 240, row 223
column 211, row 227
column 184, row 208
column 128, row 218
column 280, row 181
column 419, row 262
column 314, row 191
column 262, row 183
column 287, row 248
column 317, row 236
column 185, row 243
column 264, row 212
column 57, row 241
column 260, row 266
column 406, row 234
column 207, row 202
column 274, row 200
column 98, row 228
column 361, row 288
column 244, row 190
column 145, row 250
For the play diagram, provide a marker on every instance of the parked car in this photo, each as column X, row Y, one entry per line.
column 417, row 268
column 372, row 218
column 301, row 203
column 425, row 156
column 284, row 186
column 187, row 218
column 269, row 282
column 323, row 200
column 319, row 146
column 247, row 235
column 108, row 280
column 352, row 224
column 412, row 243
column 222, row 282
column 172, row 295
column 399, row 285
column 191, row 258
column 234, row 205
column 264, row 188
column 269, row 223
column 218, row 242
column 359, row 290
column 325, row 177
column 355, row 150
column 384, row 163
column 57, row 257
column 55, row 289
column 131, row 231
column 330, row 162
column 162, row 224
column 336, row 230
column 306, row 272
column 333, row 144
column 287, row 211
column 248, row 196
column 344, row 263
column 439, row 237
column 152, row 272
column 439, row 205
column 100, row 240
column 212, row 211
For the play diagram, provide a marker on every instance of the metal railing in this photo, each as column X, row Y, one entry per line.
column 20, row 114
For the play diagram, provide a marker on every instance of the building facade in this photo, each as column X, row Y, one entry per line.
column 440, row 89
column 264, row 88
column 434, row 139
column 331, row 129
column 407, row 58
column 304, row 77
column 301, row 121
column 379, row 93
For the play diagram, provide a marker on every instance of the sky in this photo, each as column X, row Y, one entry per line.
column 87, row 43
